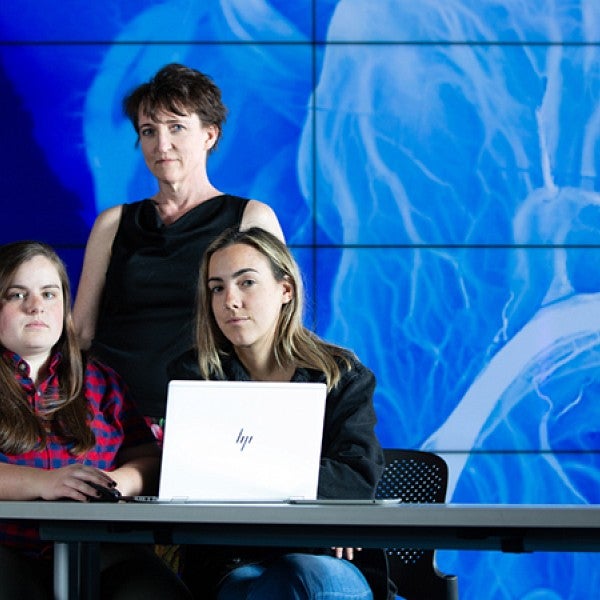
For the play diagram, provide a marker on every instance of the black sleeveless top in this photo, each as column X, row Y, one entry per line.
column 146, row 316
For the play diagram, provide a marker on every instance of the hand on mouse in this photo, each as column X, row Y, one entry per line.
column 104, row 494
column 72, row 482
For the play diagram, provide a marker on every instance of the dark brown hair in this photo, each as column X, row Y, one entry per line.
column 21, row 430
column 179, row 90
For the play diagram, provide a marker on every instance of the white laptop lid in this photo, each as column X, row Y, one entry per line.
column 228, row 440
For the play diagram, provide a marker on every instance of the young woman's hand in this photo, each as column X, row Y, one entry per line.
column 72, row 482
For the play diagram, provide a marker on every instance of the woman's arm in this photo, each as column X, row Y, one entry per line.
column 93, row 274
column 138, row 470
column 259, row 214
column 30, row 483
column 352, row 458
column 135, row 461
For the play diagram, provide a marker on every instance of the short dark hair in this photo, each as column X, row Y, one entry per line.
column 179, row 90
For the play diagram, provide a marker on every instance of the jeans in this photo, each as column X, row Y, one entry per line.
column 297, row 577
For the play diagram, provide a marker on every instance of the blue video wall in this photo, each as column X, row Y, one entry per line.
column 434, row 167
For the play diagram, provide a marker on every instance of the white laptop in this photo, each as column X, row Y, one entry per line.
column 242, row 441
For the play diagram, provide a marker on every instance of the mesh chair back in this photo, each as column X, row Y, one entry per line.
column 415, row 476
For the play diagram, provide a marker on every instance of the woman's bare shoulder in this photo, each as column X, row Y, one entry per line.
column 259, row 214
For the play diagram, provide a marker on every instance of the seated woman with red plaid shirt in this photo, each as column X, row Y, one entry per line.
column 66, row 425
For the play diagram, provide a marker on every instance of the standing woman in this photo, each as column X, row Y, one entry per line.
column 249, row 327
column 67, row 426
column 136, row 296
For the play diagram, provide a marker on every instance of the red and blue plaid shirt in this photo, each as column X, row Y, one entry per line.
column 115, row 421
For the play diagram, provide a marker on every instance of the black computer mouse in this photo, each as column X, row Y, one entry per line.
column 106, row 494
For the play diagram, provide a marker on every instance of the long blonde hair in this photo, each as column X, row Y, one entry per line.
column 294, row 344
column 21, row 430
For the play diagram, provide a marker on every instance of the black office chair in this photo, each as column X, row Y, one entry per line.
column 418, row 477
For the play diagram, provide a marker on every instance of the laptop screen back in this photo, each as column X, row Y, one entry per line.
column 242, row 440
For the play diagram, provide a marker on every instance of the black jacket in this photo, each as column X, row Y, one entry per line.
column 351, row 464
